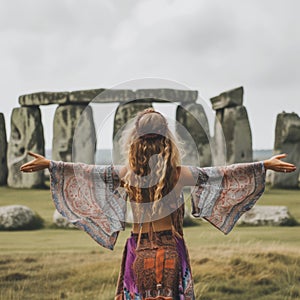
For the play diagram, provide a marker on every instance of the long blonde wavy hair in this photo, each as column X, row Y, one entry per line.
column 152, row 159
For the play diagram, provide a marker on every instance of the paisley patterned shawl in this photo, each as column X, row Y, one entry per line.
column 90, row 197
column 222, row 194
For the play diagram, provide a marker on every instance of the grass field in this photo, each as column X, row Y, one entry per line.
column 250, row 263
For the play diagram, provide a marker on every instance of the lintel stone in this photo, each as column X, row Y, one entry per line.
column 111, row 95
column 44, row 98
column 230, row 98
column 168, row 95
column 85, row 96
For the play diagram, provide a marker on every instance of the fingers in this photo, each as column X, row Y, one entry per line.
column 280, row 156
column 287, row 165
column 31, row 167
column 33, row 154
column 26, row 167
column 29, row 164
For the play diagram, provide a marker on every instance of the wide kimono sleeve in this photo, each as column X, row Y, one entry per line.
column 222, row 194
column 90, row 197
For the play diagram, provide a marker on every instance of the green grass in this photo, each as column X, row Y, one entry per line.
column 249, row 263
column 38, row 200
column 289, row 198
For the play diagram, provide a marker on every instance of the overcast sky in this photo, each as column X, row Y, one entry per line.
column 208, row 45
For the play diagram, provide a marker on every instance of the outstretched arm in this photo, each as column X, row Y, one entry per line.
column 222, row 194
column 87, row 195
column 40, row 163
column 275, row 163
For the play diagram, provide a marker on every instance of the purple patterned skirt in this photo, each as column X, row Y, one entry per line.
column 158, row 268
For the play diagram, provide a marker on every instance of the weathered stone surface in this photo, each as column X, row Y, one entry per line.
column 26, row 135
column 122, row 96
column 61, row 221
column 85, row 96
column 3, row 151
column 108, row 96
column 267, row 215
column 74, row 136
column 44, row 98
column 232, row 128
column 287, row 140
column 85, row 139
column 18, row 217
column 193, row 118
column 124, row 113
column 168, row 95
column 230, row 98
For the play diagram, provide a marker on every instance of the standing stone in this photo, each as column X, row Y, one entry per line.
column 74, row 135
column 125, row 113
column 287, row 140
column 232, row 129
column 196, row 138
column 3, row 151
column 26, row 135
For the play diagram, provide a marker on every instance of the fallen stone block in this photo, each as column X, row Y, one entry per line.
column 267, row 215
column 19, row 217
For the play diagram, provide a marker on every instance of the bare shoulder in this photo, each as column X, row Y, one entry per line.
column 186, row 177
column 122, row 170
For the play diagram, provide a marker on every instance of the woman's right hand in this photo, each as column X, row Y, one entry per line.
column 39, row 163
column 276, row 164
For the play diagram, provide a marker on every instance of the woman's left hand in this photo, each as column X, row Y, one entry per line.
column 276, row 164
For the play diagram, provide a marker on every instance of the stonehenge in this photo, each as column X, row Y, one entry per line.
column 232, row 128
column 287, row 140
column 168, row 95
column 26, row 135
column 74, row 134
column 192, row 117
column 3, row 151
